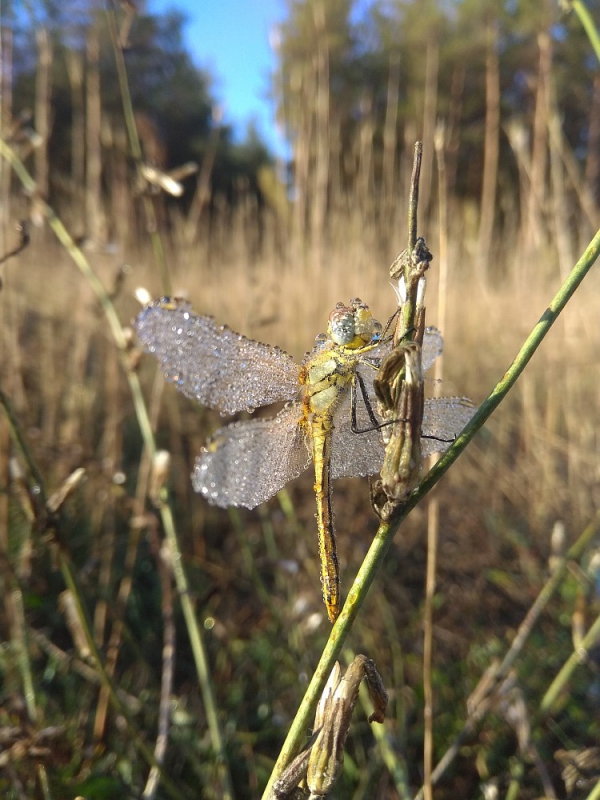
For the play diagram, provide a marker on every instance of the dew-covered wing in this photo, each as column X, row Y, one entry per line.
column 211, row 363
column 362, row 453
column 444, row 418
column 355, row 453
column 246, row 463
column 433, row 346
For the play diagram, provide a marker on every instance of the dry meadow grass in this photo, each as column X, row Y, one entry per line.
column 254, row 574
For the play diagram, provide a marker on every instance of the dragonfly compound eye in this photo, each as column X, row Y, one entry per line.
column 341, row 324
column 364, row 324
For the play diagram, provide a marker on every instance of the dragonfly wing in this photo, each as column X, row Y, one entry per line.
column 246, row 463
column 433, row 346
column 213, row 364
column 362, row 453
column 444, row 418
column 355, row 453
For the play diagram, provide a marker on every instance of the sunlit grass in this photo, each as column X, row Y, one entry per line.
column 255, row 574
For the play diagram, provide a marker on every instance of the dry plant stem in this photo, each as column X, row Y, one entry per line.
column 413, row 203
column 136, row 150
column 141, row 411
column 433, row 509
column 168, row 661
column 49, row 525
column 574, row 554
column 387, row 530
column 587, row 23
column 126, row 582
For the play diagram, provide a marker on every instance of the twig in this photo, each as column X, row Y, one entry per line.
column 47, row 521
column 497, row 675
column 24, row 240
column 166, row 684
column 387, row 530
column 197, row 644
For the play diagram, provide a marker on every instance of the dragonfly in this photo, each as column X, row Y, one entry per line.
column 329, row 418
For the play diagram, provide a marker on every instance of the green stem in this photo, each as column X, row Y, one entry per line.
column 576, row 658
column 525, row 628
column 587, row 22
column 70, row 582
column 141, row 411
column 136, row 151
column 387, row 531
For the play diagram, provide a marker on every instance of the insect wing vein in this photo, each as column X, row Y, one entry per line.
column 212, row 364
column 356, row 453
column 246, row 463
column 444, row 418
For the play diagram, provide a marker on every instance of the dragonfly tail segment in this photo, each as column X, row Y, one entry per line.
column 330, row 579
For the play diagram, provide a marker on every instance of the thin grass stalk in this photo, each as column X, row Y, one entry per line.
column 44, row 782
column 592, row 156
column 50, row 525
column 387, row 530
column 433, row 507
column 43, row 84
column 587, row 23
column 203, row 189
column 69, row 578
column 390, row 134
column 126, row 582
column 141, row 411
column 533, row 230
column 491, row 148
column 74, row 65
column 168, row 666
column 429, row 117
column 388, row 749
column 107, row 534
column 6, row 96
column 15, row 611
column 322, row 115
column 576, row 658
column 94, row 213
column 595, row 793
column 136, row 149
column 545, row 595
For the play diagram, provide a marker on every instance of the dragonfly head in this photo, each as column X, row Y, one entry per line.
column 353, row 325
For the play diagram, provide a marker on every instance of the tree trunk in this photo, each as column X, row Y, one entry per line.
column 429, row 117
column 592, row 163
column 93, row 187
column 534, row 223
column 390, row 136
column 491, row 148
column 42, row 108
column 74, row 61
column 453, row 133
column 319, row 200
column 6, row 51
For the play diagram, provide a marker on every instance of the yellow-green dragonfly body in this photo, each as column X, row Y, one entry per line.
column 246, row 463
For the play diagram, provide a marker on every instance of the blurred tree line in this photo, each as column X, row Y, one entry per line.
column 63, row 107
column 514, row 82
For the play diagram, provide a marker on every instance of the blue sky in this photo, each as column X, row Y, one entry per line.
column 231, row 39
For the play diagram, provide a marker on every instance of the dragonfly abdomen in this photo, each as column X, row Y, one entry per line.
column 321, row 428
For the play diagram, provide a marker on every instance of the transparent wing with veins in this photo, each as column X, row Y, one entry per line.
column 433, row 346
column 362, row 453
column 246, row 463
column 211, row 363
